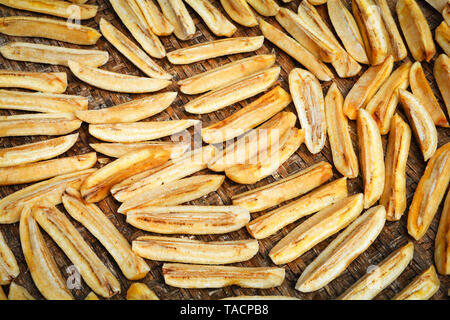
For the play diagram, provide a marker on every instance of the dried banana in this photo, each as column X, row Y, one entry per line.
column 56, row 8
column 423, row 287
column 442, row 36
column 441, row 242
column 156, row 21
column 175, row 11
column 17, row 292
column 140, row 291
column 441, row 72
column 117, row 150
column 51, row 82
column 266, row 8
column 240, row 12
column 9, row 269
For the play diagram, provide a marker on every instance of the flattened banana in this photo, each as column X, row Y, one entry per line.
column 9, row 269
column 423, row 287
column 240, row 12
column 56, row 8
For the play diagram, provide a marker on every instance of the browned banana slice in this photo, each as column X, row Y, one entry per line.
column 51, row 82
column 344, row 156
column 317, row 228
column 32, row 152
column 394, row 194
column 441, row 72
column 156, row 21
column 237, row 91
column 269, row 223
column 56, row 8
column 93, row 219
column 345, row 248
column 140, row 291
column 194, row 251
column 429, row 192
column 50, row 190
column 442, row 36
column 371, row 158
column 285, row 189
column 248, row 117
column 442, row 242
column 40, row 262
column 17, row 292
column 347, row 30
column 146, row 38
column 295, row 50
column 198, row 276
column 172, row 170
column 366, row 87
column 38, row 171
column 178, row 16
column 423, row 287
column 240, row 12
column 416, row 30
column 9, row 269
column 117, row 150
column 266, row 8
column 383, row 104
column 189, row 219
column 385, row 273
column 423, row 92
column 23, row 26
column 96, row 187
column 214, row 19
column 117, row 82
column 63, row 232
column 131, row 111
column 308, row 100
column 174, row 193
column 213, row 49
column 42, row 53
column 421, row 122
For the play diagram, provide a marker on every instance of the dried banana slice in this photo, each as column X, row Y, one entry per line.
column 265, row 8
column 17, row 292
column 240, row 12
column 441, row 72
column 175, row 11
column 2, row 295
column 117, row 150
column 153, row 17
column 423, row 287
column 442, row 36
column 56, row 8
column 51, row 82
column 442, row 243
column 140, row 291
column 9, row 269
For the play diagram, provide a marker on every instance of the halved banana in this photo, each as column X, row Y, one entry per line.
column 56, row 8
column 415, row 30
column 2, row 295
column 265, row 8
column 172, row 170
column 174, row 193
column 239, row 90
column 93, row 271
column 383, row 104
column 36, row 151
column 442, row 36
column 308, row 100
column 269, row 223
column 139, row 131
column 347, row 30
column 116, row 82
column 93, row 219
column 41, row 102
column 372, row 283
column 446, row 13
column 271, row 159
column 366, row 87
column 423, row 287
column 369, row 18
column 51, row 82
column 135, row 23
column 130, row 111
column 140, row 291
column 423, row 92
column 429, row 192
column 441, row 242
column 42, row 53
column 9, row 269
column 24, row 26
column 189, row 219
column 194, row 251
column 175, row 11
column 344, row 156
column 91, row 296
column 117, row 150
column 214, row 19
column 226, row 74
column 441, row 72
column 96, row 187
column 41, row 264
column 285, row 189
column 421, row 122
column 345, row 248
column 17, row 292
column 248, row 117
column 371, row 158
column 38, row 171
column 198, row 276
column 50, row 190
column 153, row 17
column 394, row 194
column 240, row 12
column 317, row 228
column 295, row 50
column 213, row 49
column 53, row 124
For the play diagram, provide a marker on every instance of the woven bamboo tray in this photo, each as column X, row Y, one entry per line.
column 392, row 237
